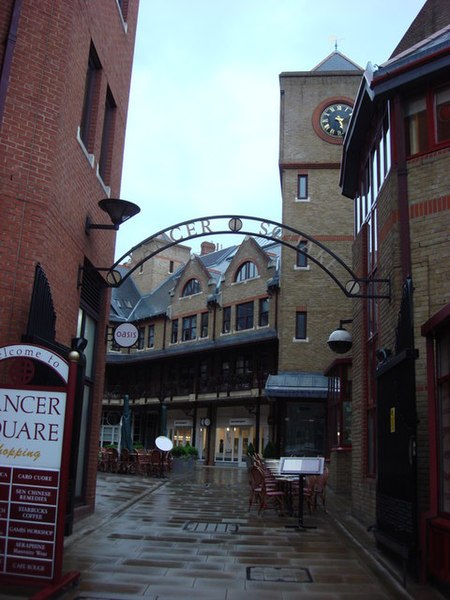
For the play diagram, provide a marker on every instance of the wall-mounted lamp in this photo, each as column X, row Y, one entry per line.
column 382, row 355
column 340, row 340
column 118, row 211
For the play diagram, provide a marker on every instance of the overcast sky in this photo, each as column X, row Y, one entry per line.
column 203, row 120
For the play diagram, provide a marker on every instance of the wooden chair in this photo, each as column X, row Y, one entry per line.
column 142, row 462
column 266, row 491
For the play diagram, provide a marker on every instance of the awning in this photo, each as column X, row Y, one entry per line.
column 296, row 385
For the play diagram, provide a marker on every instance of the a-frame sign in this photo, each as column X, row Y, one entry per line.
column 36, row 409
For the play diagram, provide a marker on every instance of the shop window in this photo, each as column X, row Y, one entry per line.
column 189, row 331
column 192, row 287
column 244, row 316
column 248, row 270
column 300, row 325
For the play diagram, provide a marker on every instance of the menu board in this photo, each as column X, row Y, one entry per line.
column 31, row 436
column 28, row 503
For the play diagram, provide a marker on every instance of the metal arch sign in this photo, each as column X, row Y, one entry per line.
column 316, row 251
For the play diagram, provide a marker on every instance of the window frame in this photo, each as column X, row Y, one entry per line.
column 189, row 328
column 226, row 319
column 301, row 320
column 174, row 331
column 302, row 257
column 247, row 270
column 302, row 187
column 91, row 100
column 263, row 312
column 245, row 315
column 107, row 144
column 191, row 288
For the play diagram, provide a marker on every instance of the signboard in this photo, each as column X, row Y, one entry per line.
column 34, row 456
column 126, row 335
column 302, row 466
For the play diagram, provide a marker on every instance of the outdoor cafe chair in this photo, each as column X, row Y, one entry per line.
column 264, row 491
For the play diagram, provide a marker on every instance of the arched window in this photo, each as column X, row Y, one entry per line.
column 247, row 270
column 192, row 287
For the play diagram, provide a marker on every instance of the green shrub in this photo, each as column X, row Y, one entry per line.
column 186, row 452
column 270, row 451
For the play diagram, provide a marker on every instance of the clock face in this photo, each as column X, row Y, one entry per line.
column 334, row 119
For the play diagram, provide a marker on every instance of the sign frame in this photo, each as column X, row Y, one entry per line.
column 33, row 495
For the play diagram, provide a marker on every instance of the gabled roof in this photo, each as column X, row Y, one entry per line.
column 336, row 61
column 128, row 304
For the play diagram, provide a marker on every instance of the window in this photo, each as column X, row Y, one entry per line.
column 105, row 161
column 123, row 5
column 174, row 333
column 302, row 259
column 244, row 316
column 443, row 114
column 189, row 331
column 416, row 125
column 171, row 266
column 302, row 187
column 204, row 317
column 191, row 287
column 151, row 336
column 263, row 312
column 300, row 325
column 248, row 270
column 226, row 319
column 141, row 338
column 90, row 104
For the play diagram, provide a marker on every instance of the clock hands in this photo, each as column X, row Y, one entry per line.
column 340, row 120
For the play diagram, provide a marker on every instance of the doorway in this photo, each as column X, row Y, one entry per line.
column 231, row 445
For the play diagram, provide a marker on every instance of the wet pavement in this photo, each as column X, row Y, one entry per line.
column 193, row 537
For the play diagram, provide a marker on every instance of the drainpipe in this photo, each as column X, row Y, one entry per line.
column 9, row 51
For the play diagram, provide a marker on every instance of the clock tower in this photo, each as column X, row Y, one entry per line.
column 316, row 107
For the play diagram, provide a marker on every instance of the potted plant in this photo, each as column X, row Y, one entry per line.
column 184, row 458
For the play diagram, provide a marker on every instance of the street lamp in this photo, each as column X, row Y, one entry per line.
column 118, row 211
column 340, row 340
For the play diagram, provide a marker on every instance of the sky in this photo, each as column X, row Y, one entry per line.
column 203, row 119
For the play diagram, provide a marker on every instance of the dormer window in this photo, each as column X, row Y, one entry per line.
column 192, row 287
column 247, row 270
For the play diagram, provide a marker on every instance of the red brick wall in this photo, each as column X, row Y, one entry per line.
column 47, row 184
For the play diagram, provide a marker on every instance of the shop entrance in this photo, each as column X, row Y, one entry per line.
column 232, row 444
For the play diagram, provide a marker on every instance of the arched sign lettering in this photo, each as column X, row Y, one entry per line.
column 316, row 251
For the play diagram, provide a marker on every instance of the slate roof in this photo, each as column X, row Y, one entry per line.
column 128, row 304
column 297, row 384
column 336, row 61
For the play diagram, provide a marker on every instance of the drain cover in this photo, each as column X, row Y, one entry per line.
column 206, row 527
column 282, row 574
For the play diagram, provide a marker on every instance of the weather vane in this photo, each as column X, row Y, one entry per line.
column 335, row 39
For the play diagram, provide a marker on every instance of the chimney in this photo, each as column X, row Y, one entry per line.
column 207, row 247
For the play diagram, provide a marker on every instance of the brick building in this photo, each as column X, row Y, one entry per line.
column 64, row 86
column 315, row 110
column 395, row 167
column 207, row 341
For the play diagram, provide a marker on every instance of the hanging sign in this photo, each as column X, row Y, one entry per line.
column 35, row 428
